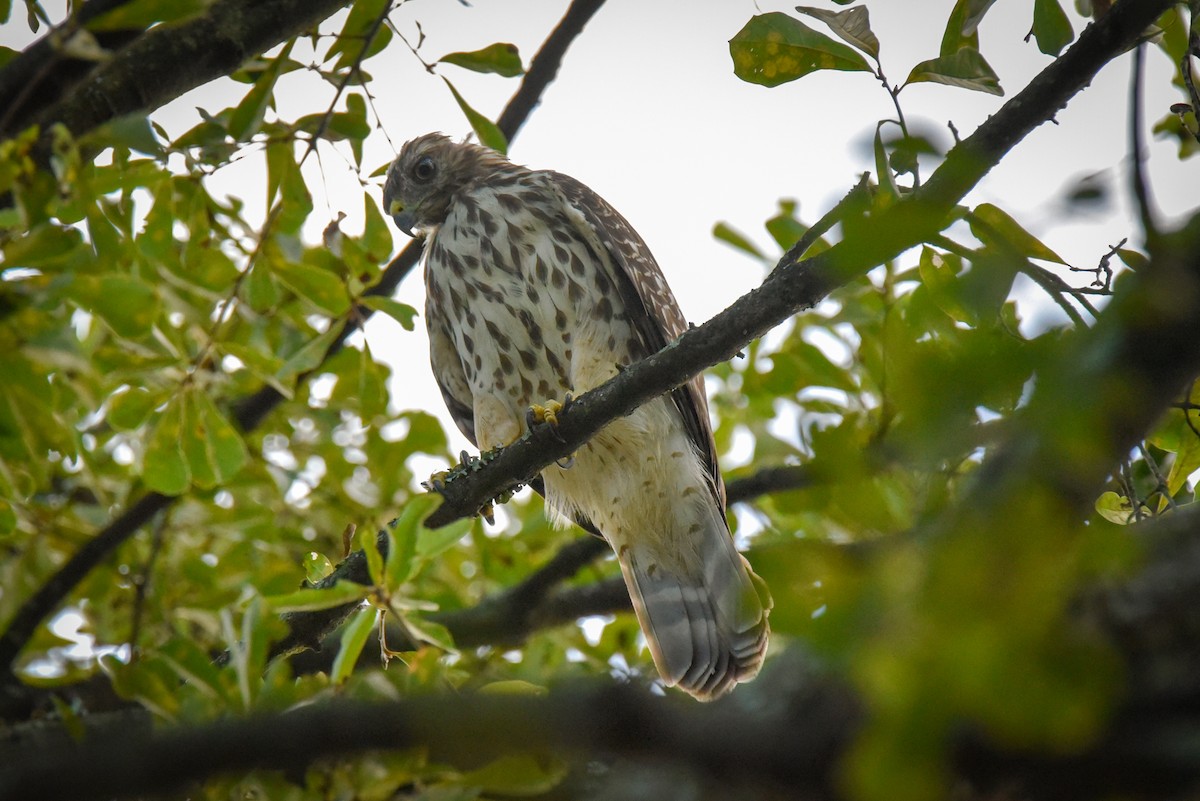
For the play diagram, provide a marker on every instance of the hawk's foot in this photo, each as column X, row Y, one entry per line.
column 547, row 412
column 436, row 481
column 466, row 464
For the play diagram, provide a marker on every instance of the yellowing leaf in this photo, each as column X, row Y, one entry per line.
column 774, row 48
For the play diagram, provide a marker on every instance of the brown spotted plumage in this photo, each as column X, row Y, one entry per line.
column 537, row 288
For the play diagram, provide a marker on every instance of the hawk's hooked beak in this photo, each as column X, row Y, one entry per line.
column 405, row 219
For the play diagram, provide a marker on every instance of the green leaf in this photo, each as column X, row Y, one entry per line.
column 400, row 312
column 730, row 236
column 1051, row 27
column 131, row 131
column 8, row 518
column 352, row 39
column 129, row 305
column 311, row 599
column 354, row 636
column 365, row 541
column 973, row 15
column 489, row 135
column 1117, row 508
column 308, row 357
column 500, row 58
column 129, row 408
column 224, row 449
column 371, row 392
column 141, row 14
column 888, row 192
column 164, row 468
column 1187, row 461
column 320, row 287
column 316, row 567
column 518, row 774
column 1133, row 260
column 433, row 542
column 285, row 180
column 989, row 222
column 852, row 25
column 940, row 279
column 194, row 443
column 958, row 32
column 513, row 687
column 262, row 291
column 429, row 632
column 774, row 48
column 377, row 234
column 402, row 538
column 247, row 117
column 45, row 247
column 786, row 228
column 966, row 69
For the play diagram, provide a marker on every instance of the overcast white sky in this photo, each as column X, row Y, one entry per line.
column 647, row 111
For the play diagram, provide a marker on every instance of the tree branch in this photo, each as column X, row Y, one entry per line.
column 789, row 739
column 252, row 410
column 42, row 73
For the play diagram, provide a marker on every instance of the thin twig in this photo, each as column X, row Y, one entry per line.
column 1137, row 156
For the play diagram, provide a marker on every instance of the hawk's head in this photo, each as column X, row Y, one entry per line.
column 423, row 179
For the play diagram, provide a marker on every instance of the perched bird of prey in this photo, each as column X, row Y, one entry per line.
column 537, row 288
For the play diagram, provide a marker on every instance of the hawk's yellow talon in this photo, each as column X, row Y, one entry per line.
column 545, row 413
column 436, row 481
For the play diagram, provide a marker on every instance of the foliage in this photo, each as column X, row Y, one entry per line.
column 137, row 310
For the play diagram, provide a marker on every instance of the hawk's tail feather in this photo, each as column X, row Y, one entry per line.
column 706, row 631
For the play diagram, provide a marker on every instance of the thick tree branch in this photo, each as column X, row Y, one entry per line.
column 42, row 73
column 168, row 60
column 787, row 740
column 251, row 411
column 795, row 285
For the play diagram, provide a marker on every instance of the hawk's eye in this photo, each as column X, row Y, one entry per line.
column 424, row 169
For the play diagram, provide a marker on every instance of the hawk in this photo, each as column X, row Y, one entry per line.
column 538, row 288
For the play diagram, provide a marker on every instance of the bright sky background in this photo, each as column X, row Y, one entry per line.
column 646, row 110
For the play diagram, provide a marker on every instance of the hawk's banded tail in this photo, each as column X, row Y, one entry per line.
column 706, row 632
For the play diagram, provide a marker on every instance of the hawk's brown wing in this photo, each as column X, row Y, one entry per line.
column 448, row 370
column 652, row 307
